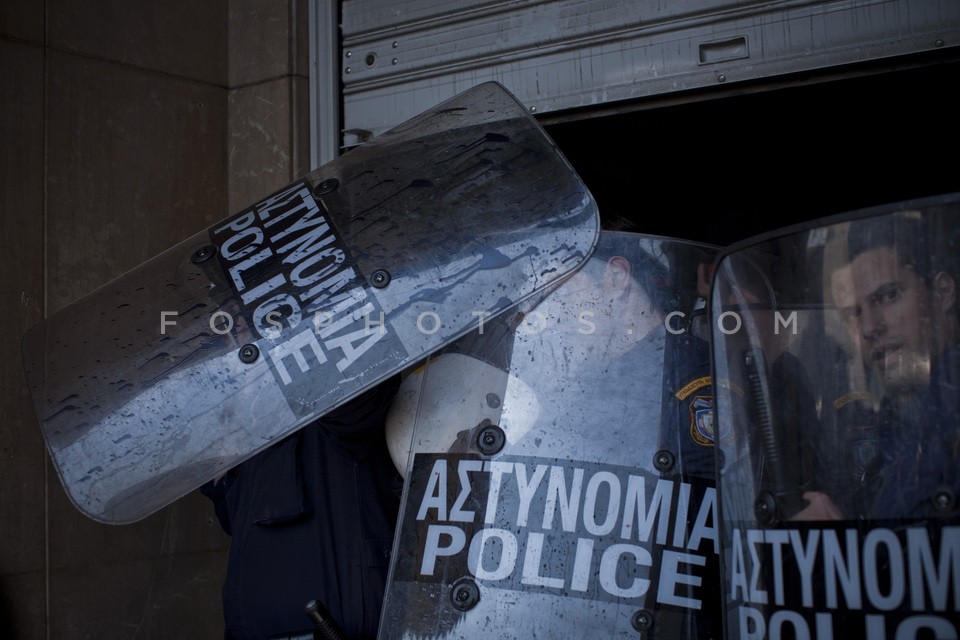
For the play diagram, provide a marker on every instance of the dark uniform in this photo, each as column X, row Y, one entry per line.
column 688, row 426
column 918, row 446
column 312, row 517
column 688, row 433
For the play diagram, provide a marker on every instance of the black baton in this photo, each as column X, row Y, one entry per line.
column 326, row 627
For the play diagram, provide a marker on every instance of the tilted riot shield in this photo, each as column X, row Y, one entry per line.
column 839, row 343
column 196, row 360
column 561, row 480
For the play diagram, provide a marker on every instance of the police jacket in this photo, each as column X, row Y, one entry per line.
column 915, row 474
column 311, row 517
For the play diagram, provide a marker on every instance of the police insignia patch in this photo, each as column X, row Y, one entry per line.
column 701, row 421
column 701, row 410
column 692, row 386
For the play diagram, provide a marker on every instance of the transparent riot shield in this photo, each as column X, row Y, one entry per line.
column 839, row 345
column 560, row 476
column 213, row 350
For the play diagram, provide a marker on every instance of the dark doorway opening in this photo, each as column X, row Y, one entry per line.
column 721, row 169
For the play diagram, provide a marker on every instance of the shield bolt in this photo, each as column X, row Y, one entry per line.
column 249, row 353
column 664, row 460
column 493, row 400
column 490, row 440
column 325, row 187
column 203, row 254
column 642, row 620
column 944, row 499
column 380, row 278
column 765, row 508
column 464, row 594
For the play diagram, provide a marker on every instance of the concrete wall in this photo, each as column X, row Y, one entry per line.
column 267, row 105
column 125, row 126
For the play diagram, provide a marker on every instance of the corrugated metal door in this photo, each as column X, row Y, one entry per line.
column 399, row 58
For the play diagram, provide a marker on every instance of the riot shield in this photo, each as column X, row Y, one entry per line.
column 213, row 350
column 560, row 476
column 839, row 343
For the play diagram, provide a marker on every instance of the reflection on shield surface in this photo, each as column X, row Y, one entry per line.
column 213, row 350
column 839, row 489
column 560, row 463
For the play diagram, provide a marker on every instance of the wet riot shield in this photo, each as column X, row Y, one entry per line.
column 208, row 353
column 839, row 347
column 561, row 480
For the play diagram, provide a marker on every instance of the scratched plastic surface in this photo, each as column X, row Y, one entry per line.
column 198, row 359
column 537, row 503
column 840, row 343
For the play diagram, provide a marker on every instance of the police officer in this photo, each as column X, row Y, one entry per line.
column 311, row 518
column 592, row 378
column 904, row 313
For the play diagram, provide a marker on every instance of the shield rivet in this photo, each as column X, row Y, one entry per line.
column 490, row 440
column 249, row 353
column 380, row 278
column 642, row 620
column 325, row 187
column 464, row 594
column 765, row 508
column 203, row 254
column 944, row 499
column 664, row 460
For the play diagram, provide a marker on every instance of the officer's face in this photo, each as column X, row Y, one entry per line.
column 572, row 309
column 595, row 315
column 562, row 335
column 889, row 311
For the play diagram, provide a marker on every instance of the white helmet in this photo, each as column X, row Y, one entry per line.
column 442, row 402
